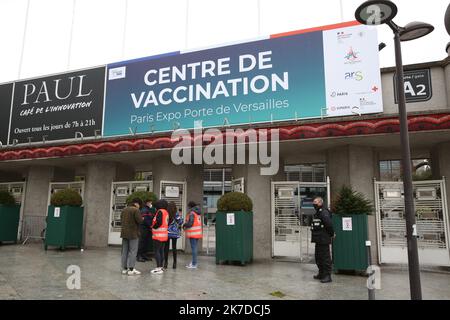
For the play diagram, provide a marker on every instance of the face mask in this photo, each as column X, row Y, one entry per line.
column 316, row 206
column 150, row 206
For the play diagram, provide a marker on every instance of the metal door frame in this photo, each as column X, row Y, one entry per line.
column 298, row 185
column 184, row 205
column 445, row 214
column 22, row 203
column 111, row 204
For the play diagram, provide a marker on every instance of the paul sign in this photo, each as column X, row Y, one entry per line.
column 59, row 107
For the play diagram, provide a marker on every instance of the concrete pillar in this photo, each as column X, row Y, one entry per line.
column 354, row 166
column 36, row 196
column 258, row 188
column 97, row 202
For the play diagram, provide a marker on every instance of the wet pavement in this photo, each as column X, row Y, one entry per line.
column 28, row 272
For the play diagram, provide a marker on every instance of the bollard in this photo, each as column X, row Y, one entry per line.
column 372, row 272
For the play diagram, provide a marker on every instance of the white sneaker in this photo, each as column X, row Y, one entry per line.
column 124, row 271
column 191, row 266
column 134, row 272
column 157, row 271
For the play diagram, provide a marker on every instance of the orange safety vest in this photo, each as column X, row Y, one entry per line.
column 161, row 234
column 195, row 231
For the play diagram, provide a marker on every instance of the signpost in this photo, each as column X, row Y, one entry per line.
column 418, row 87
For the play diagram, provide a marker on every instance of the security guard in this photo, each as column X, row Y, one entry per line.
column 322, row 234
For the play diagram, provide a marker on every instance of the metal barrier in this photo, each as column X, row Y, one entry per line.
column 33, row 227
column 210, row 238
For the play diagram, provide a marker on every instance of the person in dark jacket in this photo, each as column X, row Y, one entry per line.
column 131, row 220
column 322, row 235
column 147, row 212
column 174, row 233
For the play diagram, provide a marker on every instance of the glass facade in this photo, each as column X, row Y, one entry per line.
column 216, row 182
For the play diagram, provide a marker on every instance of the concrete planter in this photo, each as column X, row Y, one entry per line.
column 9, row 223
column 349, row 246
column 64, row 228
column 234, row 237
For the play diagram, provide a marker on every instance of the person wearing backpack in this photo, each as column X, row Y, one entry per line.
column 174, row 233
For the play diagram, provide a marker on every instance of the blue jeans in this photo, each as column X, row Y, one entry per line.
column 194, row 243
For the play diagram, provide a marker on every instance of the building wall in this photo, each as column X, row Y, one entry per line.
column 439, row 101
column 258, row 188
column 97, row 202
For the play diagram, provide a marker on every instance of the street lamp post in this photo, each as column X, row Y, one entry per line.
column 376, row 12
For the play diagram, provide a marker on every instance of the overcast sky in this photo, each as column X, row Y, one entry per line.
column 62, row 35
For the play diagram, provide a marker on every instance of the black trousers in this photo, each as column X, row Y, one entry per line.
column 158, row 246
column 174, row 251
column 323, row 259
column 144, row 241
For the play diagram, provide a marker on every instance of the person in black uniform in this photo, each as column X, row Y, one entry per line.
column 322, row 235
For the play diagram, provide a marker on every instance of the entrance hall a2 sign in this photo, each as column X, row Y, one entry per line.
column 418, row 87
column 323, row 72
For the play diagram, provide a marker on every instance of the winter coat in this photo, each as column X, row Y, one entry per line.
column 148, row 213
column 130, row 219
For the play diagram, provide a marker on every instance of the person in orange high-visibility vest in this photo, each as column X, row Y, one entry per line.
column 193, row 229
column 160, row 236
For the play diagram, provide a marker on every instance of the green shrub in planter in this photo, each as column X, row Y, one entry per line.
column 143, row 195
column 234, row 228
column 350, row 202
column 235, row 201
column 64, row 220
column 67, row 197
column 9, row 217
column 350, row 210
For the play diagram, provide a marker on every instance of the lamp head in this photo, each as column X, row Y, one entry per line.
column 376, row 12
column 415, row 30
column 447, row 19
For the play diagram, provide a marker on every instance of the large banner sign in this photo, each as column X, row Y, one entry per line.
column 324, row 72
column 59, row 107
column 5, row 109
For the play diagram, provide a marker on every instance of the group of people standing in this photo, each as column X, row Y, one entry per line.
column 162, row 223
